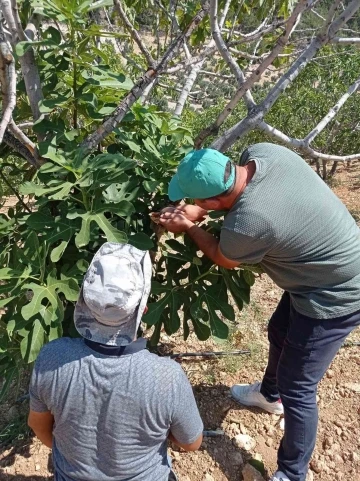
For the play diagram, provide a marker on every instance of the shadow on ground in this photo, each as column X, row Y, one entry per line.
column 12, row 455
column 214, row 404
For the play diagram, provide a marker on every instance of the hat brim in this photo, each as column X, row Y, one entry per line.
column 90, row 328
column 175, row 192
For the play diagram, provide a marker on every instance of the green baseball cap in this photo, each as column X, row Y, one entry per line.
column 201, row 175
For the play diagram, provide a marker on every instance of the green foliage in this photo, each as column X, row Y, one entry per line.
column 81, row 202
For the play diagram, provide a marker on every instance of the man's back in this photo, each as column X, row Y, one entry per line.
column 112, row 414
column 289, row 220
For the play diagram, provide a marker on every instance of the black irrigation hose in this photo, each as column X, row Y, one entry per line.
column 210, row 354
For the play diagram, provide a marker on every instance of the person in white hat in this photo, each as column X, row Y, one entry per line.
column 103, row 403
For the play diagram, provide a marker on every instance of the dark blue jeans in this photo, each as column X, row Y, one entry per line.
column 301, row 350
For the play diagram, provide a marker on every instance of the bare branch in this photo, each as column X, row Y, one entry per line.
column 21, row 149
column 24, row 139
column 345, row 40
column 113, row 121
column 332, row 112
column 8, row 83
column 134, row 33
column 256, row 116
column 256, row 74
column 301, row 146
column 27, row 61
column 221, row 45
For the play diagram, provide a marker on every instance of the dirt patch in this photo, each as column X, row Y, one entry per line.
column 337, row 453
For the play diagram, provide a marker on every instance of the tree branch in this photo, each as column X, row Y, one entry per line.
column 27, row 61
column 113, row 121
column 8, row 83
column 134, row 33
column 301, row 6
column 301, row 146
column 21, row 149
column 221, row 45
column 327, row 33
column 345, row 40
column 332, row 112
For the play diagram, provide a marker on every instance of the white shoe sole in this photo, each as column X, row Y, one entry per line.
column 276, row 409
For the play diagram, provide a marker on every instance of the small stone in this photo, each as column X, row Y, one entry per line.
column 354, row 457
column 317, row 466
column 251, row 474
column 282, row 424
column 37, row 467
column 330, row 373
column 176, row 454
column 243, row 429
column 269, row 442
column 353, row 386
column 257, row 457
column 244, row 441
column 208, row 477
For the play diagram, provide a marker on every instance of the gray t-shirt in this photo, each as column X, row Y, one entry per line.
column 112, row 414
column 290, row 222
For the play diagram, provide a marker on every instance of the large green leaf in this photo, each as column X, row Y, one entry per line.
column 47, row 294
column 32, row 343
column 156, row 309
column 212, row 298
column 83, row 237
column 141, row 241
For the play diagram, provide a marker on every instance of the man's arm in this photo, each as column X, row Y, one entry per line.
column 187, row 447
column 42, row 424
column 177, row 223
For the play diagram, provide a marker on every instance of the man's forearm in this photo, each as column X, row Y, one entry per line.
column 206, row 242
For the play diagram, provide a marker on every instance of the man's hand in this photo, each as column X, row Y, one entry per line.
column 174, row 221
column 191, row 212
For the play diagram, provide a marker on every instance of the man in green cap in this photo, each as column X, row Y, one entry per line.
column 284, row 217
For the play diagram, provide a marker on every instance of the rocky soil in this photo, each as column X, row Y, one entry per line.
column 249, row 435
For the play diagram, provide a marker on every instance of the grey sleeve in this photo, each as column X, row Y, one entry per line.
column 242, row 248
column 37, row 404
column 186, row 424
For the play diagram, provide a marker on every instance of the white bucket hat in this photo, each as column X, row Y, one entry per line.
column 114, row 294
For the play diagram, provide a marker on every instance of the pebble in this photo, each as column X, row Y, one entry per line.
column 243, row 429
column 37, row 467
column 354, row 457
column 317, row 466
column 353, row 386
column 251, row 474
column 269, row 442
column 244, row 441
column 282, row 424
column 208, row 477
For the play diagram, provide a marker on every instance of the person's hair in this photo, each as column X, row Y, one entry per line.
column 228, row 170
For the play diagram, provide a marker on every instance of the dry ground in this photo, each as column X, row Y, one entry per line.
column 337, row 454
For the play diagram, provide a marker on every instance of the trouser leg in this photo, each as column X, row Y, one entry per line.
column 277, row 331
column 309, row 348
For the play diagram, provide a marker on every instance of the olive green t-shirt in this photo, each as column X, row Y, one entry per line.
column 288, row 220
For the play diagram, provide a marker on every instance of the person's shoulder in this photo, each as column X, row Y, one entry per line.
column 163, row 365
column 59, row 349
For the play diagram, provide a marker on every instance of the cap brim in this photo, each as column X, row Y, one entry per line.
column 174, row 191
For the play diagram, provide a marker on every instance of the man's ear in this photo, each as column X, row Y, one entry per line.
column 145, row 310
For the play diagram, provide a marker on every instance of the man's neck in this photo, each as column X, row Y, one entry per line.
column 244, row 174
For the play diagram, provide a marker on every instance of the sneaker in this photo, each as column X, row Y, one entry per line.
column 279, row 476
column 250, row 395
